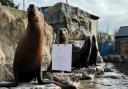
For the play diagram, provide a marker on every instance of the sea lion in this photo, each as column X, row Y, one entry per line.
column 94, row 52
column 85, row 52
column 29, row 51
column 63, row 36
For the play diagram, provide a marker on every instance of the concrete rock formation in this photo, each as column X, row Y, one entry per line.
column 78, row 22
column 114, row 58
column 2, row 57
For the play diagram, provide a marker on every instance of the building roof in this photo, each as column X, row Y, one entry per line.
column 123, row 32
column 94, row 17
column 43, row 9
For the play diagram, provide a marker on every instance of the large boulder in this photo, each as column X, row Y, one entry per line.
column 125, row 58
column 13, row 23
column 75, row 20
column 2, row 57
column 115, row 59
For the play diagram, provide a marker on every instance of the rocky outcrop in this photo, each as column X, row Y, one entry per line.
column 79, row 23
column 114, row 58
column 12, row 26
column 31, row 86
column 2, row 57
column 125, row 58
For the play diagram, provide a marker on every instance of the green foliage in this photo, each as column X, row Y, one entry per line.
column 9, row 3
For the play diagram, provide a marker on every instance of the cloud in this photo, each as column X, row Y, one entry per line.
column 112, row 12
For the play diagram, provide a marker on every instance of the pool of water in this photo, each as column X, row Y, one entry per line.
column 117, row 79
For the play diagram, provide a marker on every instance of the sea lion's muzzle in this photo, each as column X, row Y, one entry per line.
column 31, row 13
column 31, row 5
column 31, row 10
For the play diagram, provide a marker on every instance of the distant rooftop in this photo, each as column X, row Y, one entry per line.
column 123, row 32
column 44, row 8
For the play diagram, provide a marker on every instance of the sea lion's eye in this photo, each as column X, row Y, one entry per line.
column 65, row 30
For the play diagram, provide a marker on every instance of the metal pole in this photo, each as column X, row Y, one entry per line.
column 23, row 4
column 66, row 1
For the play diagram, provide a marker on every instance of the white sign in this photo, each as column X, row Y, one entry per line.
column 62, row 57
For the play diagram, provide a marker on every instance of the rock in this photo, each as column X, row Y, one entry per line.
column 77, row 44
column 125, row 58
column 32, row 86
column 99, row 70
column 12, row 24
column 113, row 75
column 99, row 58
column 66, row 80
column 4, row 88
column 2, row 57
column 68, row 17
column 108, row 70
column 108, row 67
column 106, row 59
column 115, row 59
column 6, row 72
column 91, row 72
column 49, row 40
column 87, row 73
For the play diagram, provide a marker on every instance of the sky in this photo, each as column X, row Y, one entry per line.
column 112, row 13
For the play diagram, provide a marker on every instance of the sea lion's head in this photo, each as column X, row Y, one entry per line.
column 63, row 35
column 34, row 14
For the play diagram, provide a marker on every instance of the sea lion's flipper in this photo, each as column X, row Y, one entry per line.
column 40, row 77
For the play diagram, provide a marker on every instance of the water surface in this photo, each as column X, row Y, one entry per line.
column 110, row 80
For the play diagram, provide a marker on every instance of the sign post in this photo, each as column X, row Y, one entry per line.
column 66, row 1
column 23, row 4
column 62, row 57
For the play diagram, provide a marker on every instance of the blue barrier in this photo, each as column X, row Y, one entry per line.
column 106, row 48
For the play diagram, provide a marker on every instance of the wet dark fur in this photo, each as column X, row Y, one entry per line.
column 93, row 55
column 85, row 53
column 88, row 53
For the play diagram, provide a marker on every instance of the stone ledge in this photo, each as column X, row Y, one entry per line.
column 31, row 86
